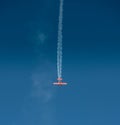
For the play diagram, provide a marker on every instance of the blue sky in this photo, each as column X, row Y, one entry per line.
column 91, row 63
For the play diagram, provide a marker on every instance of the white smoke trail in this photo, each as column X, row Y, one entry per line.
column 59, row 45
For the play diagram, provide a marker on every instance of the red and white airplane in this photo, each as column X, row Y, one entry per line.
column 60, row 82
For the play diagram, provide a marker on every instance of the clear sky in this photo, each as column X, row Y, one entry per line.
column 91, row 63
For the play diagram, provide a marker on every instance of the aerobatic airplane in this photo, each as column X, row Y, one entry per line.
column 60, row 82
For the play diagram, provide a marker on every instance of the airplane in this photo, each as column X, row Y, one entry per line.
column 60, row 82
